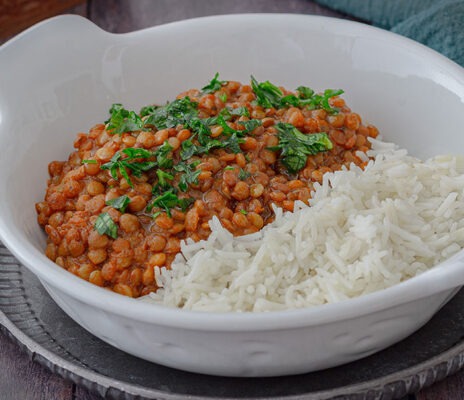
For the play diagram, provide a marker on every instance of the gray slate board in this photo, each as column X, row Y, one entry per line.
column 31, row 317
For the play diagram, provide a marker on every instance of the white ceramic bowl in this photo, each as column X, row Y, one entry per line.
column 61, row 76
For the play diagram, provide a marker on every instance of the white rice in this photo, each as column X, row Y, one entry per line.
column 365, row 231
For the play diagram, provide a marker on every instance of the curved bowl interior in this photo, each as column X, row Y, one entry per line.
column 61, row 77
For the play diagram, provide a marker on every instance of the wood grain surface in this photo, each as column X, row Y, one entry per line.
column 20, row 377
column 16, row 15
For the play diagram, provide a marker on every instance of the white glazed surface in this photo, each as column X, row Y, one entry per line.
column 61, row 76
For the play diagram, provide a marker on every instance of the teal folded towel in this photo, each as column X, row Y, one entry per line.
column 438, row 24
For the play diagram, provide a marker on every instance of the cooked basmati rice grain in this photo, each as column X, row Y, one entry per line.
column 364, row 231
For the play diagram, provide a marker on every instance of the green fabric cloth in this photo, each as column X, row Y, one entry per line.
column 438, row 24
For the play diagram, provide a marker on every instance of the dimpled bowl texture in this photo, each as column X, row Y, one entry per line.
column 61, row 76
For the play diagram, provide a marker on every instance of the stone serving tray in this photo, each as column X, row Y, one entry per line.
column 37, row 324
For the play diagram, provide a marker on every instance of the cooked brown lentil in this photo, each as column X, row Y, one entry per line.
column 238, row 188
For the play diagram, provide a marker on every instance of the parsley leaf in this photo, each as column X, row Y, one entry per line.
column 105, row 225
column 89, row 161
column 188, row 149
column 322, row 101
column 214, row 85
column 226, row 128
column 308, row 98
column 122, row 120
column 163, row 178
column 233, row 143
column 189, row 176
column 242, row 175
column 147, row 110
column 213, row 144
column 120, row 203
column 184, row 112
column 162, row 153
column 305, row 92
column 290, row 100
column 177, row 112
column 136, row 152
column 267, row 94
column 130, row 162
column 137, row 167
column 169, row 200
column 185, row 202
column 296, row 146
column 242, row 111
column 228, row 112
column 201, row 128
column 202, row 132
column 250, row 125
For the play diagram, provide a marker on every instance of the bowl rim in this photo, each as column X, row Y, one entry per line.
column 77, row 288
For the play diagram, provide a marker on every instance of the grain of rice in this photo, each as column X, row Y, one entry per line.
column 364, row 231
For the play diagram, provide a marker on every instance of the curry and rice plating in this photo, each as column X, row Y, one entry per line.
column 138, row 185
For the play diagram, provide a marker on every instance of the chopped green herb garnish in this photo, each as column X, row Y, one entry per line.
column 120, row 203
column 189, row 176
column 177, row 112
column 122, row 120
column 213, row 144
column 184, row 112
column 214, row 85
column 229, row 168
column 169, row 200
column 130, row 162
column 233, row 143
column 210, row 121
column 244, row 212
column 137, row 152
column 188, row 149
column 242, row 175
column 185, row 203
column 174, row 173
column 147, row 110
column 296, row 146
column 269, row 95
column 322, row 101
column 242, row 111
column 162, row 155
column 305, row 92
column 163, row 178
column 250, row 125
column 226, row 128
column 290, row 100
column 201, row 128
column 105, row 225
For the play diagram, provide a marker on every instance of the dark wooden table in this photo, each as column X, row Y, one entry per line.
column 22, row 379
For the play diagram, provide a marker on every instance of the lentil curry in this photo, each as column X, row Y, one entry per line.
column 139, row 184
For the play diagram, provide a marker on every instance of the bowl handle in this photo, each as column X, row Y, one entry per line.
column 66, row 24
